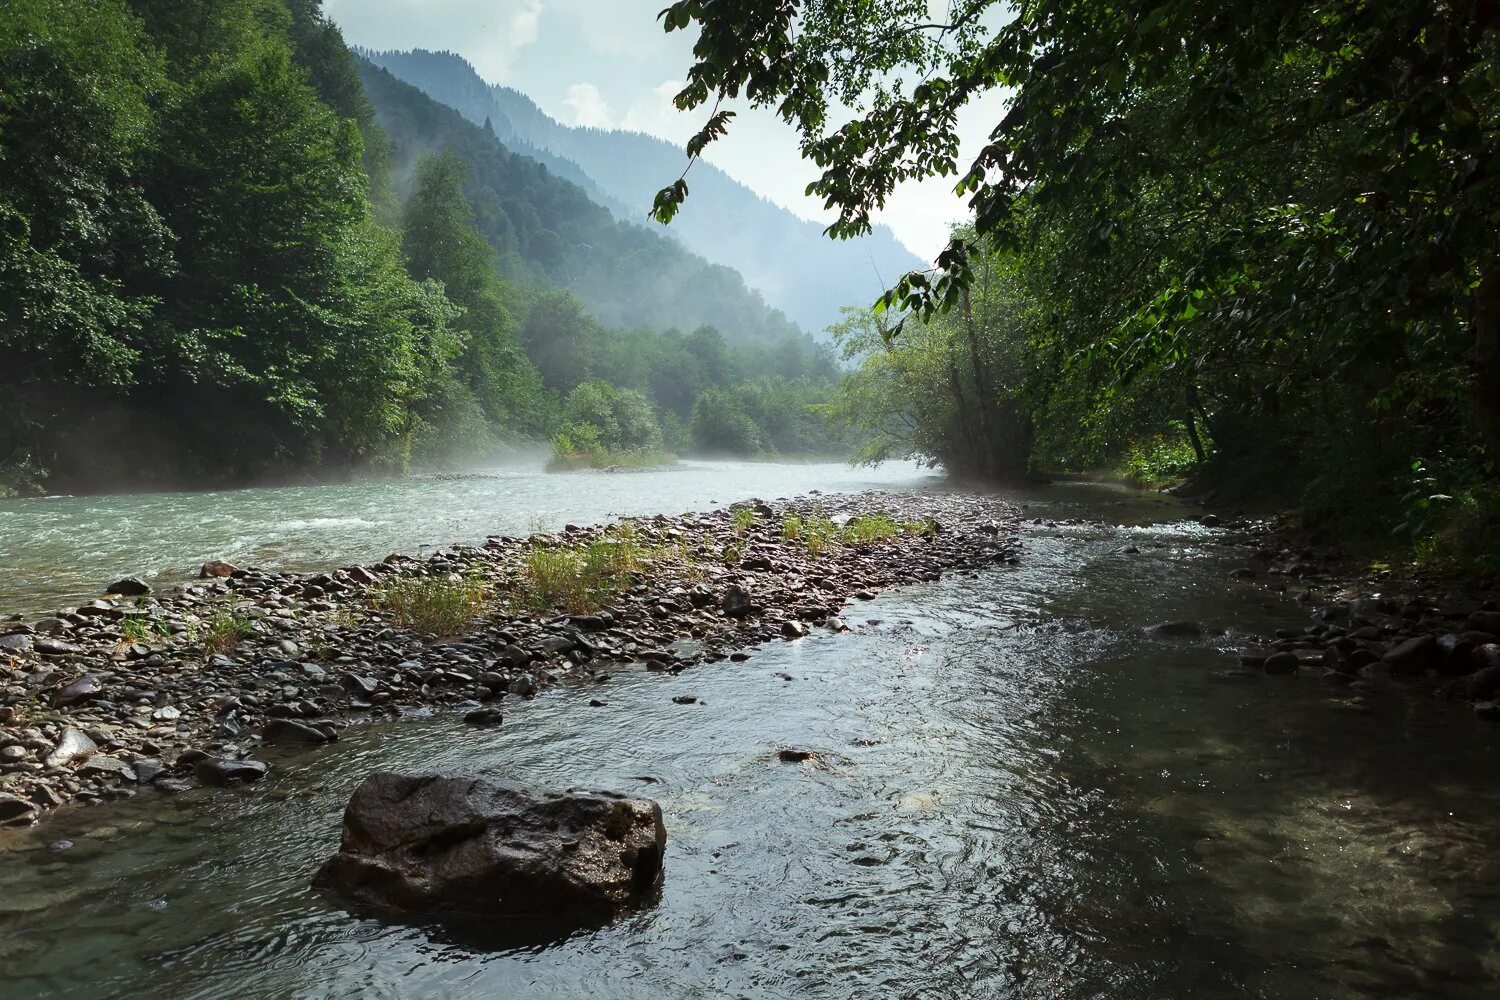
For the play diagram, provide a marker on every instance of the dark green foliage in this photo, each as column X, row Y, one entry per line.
column 441, row 244
column 1265, row 230
column 204, row 275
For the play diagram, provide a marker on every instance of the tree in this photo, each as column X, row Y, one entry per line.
column 441, row 243
column 618, row 419
column 1243, row 174
column 722, row 426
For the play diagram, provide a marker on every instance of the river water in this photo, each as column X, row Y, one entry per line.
column 1019, row 794
column 60, row 550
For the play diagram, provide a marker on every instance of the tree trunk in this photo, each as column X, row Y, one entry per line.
column 1192, row 429
column 985, row 397
column 1485, row 389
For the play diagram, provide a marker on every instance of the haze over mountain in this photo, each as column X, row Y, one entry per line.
column 788, row 259
column 548, row 232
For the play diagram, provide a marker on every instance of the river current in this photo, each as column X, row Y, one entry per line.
column 1018, row 793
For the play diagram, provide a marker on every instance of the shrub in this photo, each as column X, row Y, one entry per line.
column 441, row 605
column 1467, row 544
column 225, row 629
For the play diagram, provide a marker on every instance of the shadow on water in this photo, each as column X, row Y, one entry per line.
column 1016, row 791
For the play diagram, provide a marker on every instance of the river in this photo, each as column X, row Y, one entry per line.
column 65, row 549
column 1021, row 794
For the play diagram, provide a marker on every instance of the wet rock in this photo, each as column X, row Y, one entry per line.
column 131, row 586
column 85, row 688
column 793, row 630
column 484, row 717
column 147, row 771
column 791, row 755
column 101, row 766
column 448, row 843
column 1281, row 663
column 685, row 699
column 15, row 644
column 221, row 773
column 49, row 646
column 16, row 812
column 216, row 569
column 73, row 747
column 358, row 686
column 291, row 733
column 1414, row 656
column 1484, row 685
column 736, row 601
column 1485, row 621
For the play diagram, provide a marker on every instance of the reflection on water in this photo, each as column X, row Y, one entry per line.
column 62, row 549
column 1018, row 794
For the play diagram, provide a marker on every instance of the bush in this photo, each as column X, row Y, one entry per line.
column 1467, row 543
column 440, row 605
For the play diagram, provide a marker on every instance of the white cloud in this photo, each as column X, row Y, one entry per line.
column 588, row 106
column 655, row 114
column 488, row 33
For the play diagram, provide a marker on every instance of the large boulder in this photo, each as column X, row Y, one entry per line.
column 450, row 843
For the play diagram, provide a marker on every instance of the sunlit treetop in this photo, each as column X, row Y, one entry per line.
column 1105, row 98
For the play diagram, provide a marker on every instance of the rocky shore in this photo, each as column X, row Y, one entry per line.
column 140, row 692
column 1372, row 631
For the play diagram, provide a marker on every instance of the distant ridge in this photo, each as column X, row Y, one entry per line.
column 547, row 231
column 788, row 259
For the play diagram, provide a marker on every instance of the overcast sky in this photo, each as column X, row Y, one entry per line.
column 607, row 63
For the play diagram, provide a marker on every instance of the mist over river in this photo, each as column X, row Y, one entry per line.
column 1017, row 791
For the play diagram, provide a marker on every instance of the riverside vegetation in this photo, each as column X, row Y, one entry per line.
column 230, row 249
column 1249, row 245
column 135, row 692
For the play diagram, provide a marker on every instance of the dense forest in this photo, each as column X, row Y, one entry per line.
column 228, row 250
column 1252, row 244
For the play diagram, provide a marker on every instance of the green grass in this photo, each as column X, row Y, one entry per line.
column 580, row 579
column 225, row 630
column 820, row 533
column 604, row 458
column 744, row 519
column 1466, row 543
column 138, row 628
column 440, row 605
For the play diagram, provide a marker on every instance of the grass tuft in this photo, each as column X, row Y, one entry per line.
column 224, row 631
column 440, row 605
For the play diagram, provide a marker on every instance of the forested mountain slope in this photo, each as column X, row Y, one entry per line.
column 788, row 259
column 547, row 231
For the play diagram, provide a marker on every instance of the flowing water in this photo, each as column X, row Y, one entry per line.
column 67, row 549
column 1018, row 794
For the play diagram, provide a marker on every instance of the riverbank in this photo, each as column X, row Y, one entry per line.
column 1370, row 631
column 167, row 691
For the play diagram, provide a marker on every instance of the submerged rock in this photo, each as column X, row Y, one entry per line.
column 289, row 732
column 449, row 843
column 221, row 773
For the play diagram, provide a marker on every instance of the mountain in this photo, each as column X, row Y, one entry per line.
column 547, row 231
column 788, row 259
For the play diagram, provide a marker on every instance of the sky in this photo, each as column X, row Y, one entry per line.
column 608, row 64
